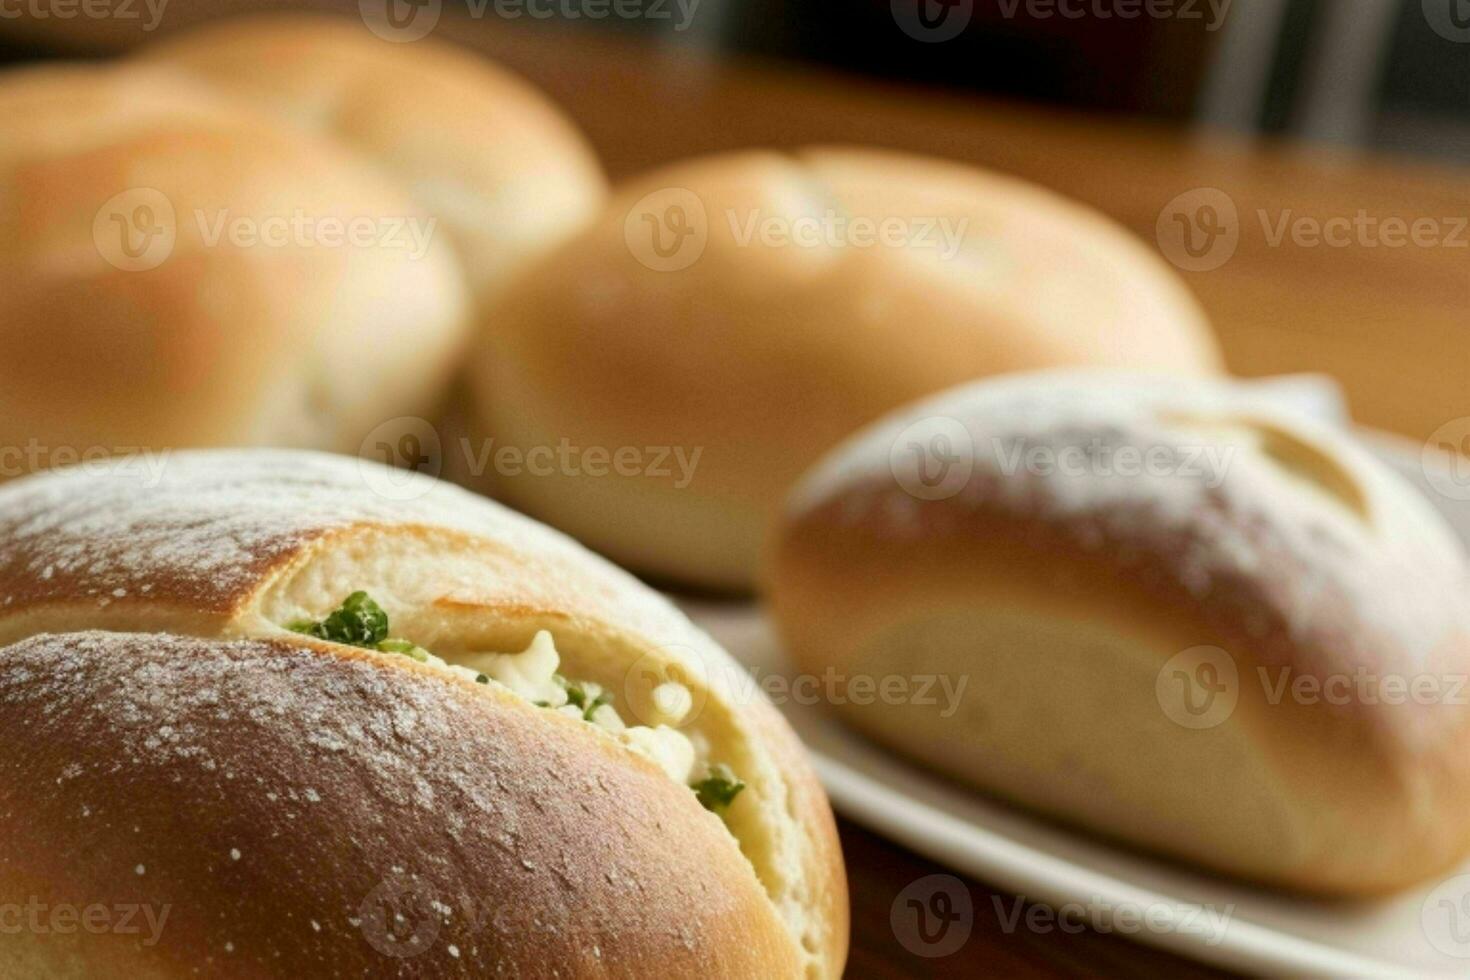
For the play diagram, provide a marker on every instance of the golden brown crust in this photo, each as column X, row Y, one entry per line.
column 1306, row 562
column 171, row 277
column 504, row 170
column 759, row 353
column 284, row 800
column 225, row 543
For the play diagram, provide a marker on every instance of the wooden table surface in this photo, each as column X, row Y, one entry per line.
column 1391, row 323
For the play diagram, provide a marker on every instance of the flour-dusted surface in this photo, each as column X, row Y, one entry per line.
column 243, row 542
column 289, row 801
column 207, row 530
column 1278, row 526
column 1132, row 465
column 203, row 527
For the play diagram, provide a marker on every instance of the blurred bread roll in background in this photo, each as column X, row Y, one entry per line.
column 749, row 310
column 182, row 271
column 505, row 173
column 1182, row 617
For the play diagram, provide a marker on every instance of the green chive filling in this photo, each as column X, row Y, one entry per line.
column 361, row 622
column 719, row 789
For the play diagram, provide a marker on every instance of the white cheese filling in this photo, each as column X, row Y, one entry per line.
column 531, row 674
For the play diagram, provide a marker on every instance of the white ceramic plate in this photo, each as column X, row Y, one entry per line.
column 1194, row 914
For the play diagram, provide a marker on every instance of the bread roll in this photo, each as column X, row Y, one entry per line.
column 180, row 271
column 1183, row 619
column 500, row 166
column 185, row 724
column 786, row 301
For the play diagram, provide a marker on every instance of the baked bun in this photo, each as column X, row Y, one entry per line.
column 194, row 717
column 502, row 169
column 1183, row 618
column 179, row 271
column 898, row 276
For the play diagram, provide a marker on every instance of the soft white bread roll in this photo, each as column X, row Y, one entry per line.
column 502, row 169
column 173, row 736
column 179, row 271
column 786, row 301
column 1183, row 618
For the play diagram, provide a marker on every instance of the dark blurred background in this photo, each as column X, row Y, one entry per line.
column 1371, row 73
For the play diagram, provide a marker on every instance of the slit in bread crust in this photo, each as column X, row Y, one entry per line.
column 450, row 613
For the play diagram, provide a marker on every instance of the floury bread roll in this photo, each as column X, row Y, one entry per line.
column 500, row 167
column 339, row 718
column 179, row 271
column 1189, row 621
column 755, row 308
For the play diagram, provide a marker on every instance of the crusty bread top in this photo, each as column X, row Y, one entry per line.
column 205, row 528
column 285, row 800
column 500, row 165
column 1296, row 540
column 218, row 338
column 768, row 338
